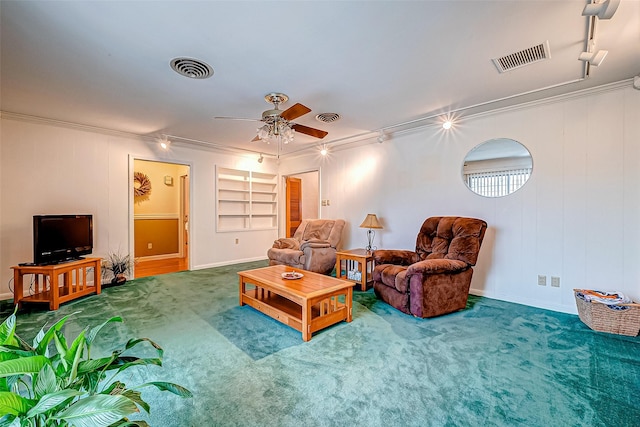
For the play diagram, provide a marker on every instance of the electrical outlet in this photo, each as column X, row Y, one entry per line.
column 237, row 241
column 555, row 281
column 542, row 280
column 149, row 245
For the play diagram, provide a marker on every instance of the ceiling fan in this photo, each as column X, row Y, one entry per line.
column 278, row 123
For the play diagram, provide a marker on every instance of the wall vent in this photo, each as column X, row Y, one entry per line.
column 524, row 57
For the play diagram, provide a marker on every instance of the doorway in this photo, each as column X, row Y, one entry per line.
column 161, row 218
column 302, row 199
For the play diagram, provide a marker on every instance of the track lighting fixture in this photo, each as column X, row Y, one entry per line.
column 603, row 10
column 164, row 143
column 447, row 125
column 324, row 150
column 593, row 58
column 636, row 82
column 383, row 137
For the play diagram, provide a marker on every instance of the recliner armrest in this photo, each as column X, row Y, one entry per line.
column 286, row 243
column 315, row 244
column 437, row 266
column 394, row 256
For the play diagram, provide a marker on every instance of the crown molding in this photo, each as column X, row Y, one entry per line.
column 361, row 138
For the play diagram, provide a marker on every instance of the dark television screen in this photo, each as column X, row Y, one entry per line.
column 59, row 238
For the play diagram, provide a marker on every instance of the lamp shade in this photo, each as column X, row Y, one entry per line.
column 371, row 221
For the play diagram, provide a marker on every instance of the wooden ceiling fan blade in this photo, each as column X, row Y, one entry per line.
column 294, row 112
column 309, row 131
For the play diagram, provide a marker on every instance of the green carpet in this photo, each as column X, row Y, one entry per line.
column 493, row 364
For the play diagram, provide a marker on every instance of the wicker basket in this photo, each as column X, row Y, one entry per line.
column 599, row 317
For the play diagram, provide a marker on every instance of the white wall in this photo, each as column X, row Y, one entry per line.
column 577, row 218
column 47, row 169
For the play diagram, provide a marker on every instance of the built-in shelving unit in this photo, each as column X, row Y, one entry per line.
column 246, row 200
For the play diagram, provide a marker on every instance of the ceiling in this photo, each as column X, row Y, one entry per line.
column 382, row 65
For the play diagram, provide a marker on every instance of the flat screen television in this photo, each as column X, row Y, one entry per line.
column 61, row 238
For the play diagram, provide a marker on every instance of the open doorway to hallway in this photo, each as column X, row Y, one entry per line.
column 160, row 218
column 302, row 199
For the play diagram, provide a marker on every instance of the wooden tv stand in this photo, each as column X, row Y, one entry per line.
column 47, row 284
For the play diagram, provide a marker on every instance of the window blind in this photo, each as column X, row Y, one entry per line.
column 497, row 183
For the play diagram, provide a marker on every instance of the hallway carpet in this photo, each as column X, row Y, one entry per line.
column 493, row 364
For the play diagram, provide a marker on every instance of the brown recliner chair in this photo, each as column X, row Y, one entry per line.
column 313, row 246
column 435, row 279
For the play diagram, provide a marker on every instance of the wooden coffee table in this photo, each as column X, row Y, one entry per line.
column 308, row 304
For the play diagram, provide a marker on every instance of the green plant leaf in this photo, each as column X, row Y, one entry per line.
column 42, row 344
column 127, row 423
column 136, row 396
column 51, row 400
column 74, row 354
column 26, row 365
column 91, row 336
column 94, row 364
column 12, row 403
column 61, row 346
column 10, row 421
column 170, row 387
column 97, row 410
column 12, row 352
column 133, row 342
column 138, row 362
column 8, row 328
column 45, row 382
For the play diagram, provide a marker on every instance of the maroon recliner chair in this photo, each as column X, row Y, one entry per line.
column 435, row 279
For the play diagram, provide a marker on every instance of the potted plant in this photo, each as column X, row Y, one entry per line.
column 117, row 267
column 69, row 387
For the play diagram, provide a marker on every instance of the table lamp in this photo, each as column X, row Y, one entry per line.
column 370, row 222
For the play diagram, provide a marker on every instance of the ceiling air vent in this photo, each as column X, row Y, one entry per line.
column 328, row 117
column 524, row 57
column 192, row 68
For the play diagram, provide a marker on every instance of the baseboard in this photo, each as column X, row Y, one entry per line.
column 6, row 296
column 225, row 263
column 528, row 302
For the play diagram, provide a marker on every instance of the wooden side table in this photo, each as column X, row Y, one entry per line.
column 49, row 288
column 355, row 265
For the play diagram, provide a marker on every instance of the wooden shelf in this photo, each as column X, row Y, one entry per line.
column 259, row 202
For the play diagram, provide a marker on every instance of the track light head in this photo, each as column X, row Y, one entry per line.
column 603, row 10
column 164, row 143
column 593, row 58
